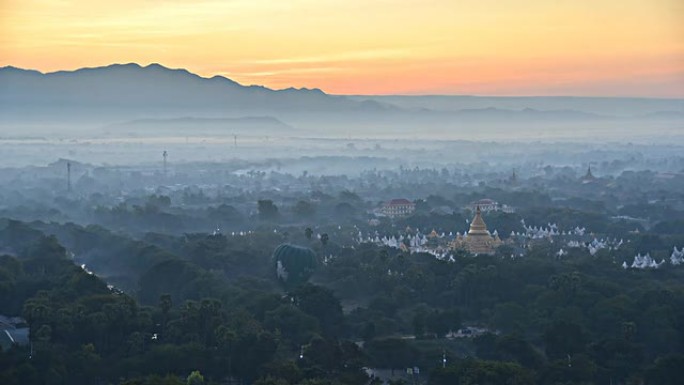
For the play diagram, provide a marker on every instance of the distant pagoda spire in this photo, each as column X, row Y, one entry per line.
column 514, row 178
column 589, row 175
column 478, row 226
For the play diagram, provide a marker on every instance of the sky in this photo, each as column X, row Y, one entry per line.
column 475, row 47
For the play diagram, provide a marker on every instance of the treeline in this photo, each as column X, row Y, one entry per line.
column 212, row 303
column 83, row 332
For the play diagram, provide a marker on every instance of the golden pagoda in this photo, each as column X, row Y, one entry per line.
column 478, row 240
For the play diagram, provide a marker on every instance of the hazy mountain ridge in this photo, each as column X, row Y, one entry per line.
column 154, row 86
column 135, row 86
column 626, row 107
column 129, row 92
column 492, row 113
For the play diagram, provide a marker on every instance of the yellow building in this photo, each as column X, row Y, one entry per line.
column 478, row 240
column 398, row 208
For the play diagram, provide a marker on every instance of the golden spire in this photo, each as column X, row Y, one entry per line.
column 478, row 226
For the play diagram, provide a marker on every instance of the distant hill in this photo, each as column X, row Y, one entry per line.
column 527, row 114
column 159, row 100
column 129, row 87
column 605, row 106
column 664, row 115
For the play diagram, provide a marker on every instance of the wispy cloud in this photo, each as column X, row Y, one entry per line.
column 355, row 46
column 382, row 53
column 286, row 71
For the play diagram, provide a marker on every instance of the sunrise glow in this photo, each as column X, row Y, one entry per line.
column 487, row 47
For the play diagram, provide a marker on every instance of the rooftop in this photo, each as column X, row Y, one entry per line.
column 400, row 201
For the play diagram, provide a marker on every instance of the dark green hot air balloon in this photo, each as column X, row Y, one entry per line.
column 293, row 264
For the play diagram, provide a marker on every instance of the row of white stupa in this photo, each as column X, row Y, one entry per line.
column 595, row 245
column 551, row 230
column 414, row 241
column 417, row 243
column 640, row 262
column 420, row 239
column 646, row 262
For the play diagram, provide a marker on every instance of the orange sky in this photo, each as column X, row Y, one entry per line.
column 487, row 47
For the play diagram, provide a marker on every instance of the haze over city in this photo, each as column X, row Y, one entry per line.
column 337, row 192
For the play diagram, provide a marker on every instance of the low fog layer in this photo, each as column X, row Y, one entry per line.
column 124, row 101
column 153, row 222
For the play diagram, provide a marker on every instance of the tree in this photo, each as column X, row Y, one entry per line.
column 667, row 370
column 441, row 322
column 564, row 338
column 344, row 209
column 304, row 209
column 349, row 196
column 47, row 247
column 267, row 209
column 292, row 323
column 477, row 372
column 368, row 332
column 195, row 378
column 514, row 348
column 617, row 358
column 165, row 304
column 225, row 213
column 391, row 353
column 271, row 381
column 419, row 323
column 320, row 303
column 509, row 317
column 159, row 201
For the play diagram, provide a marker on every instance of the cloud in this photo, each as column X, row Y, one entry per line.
column 287, row 71
column 386, row 53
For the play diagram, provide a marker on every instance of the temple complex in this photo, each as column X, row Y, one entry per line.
column 478, row 240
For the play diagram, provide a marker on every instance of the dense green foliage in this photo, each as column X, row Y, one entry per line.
column 184, row 288
column 574, row 320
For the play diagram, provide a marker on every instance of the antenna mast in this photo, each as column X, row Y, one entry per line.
column 68, row 176
column 165, row 155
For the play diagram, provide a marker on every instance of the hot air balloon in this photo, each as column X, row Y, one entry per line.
column 294, row 264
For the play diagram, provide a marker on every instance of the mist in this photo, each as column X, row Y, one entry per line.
column 157, row 227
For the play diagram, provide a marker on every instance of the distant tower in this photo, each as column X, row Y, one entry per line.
column 235, row 140
column 589, row 176
column 69, row 176
column 165, row 155
column 514, row 178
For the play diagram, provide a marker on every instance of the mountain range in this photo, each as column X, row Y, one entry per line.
column 123, row 94
column 132, row 86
